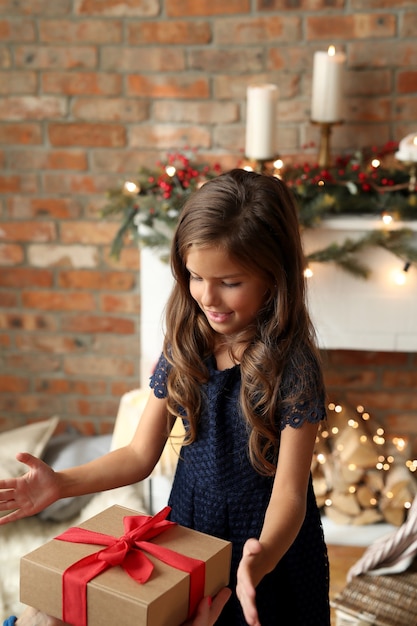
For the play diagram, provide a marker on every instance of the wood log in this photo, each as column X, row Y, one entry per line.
column 346, row 503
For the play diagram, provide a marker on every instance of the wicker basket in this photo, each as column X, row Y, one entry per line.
column 389, row 600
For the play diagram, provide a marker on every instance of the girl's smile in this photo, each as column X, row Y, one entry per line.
column 229, row 295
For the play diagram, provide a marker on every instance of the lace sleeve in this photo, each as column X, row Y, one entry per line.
column 308, row 411
column 158, row 380
column 309, row 407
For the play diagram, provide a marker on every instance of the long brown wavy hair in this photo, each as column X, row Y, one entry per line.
column 254, row 218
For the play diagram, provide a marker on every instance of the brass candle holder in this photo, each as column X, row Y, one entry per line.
column 324, row 154
column 262, row 166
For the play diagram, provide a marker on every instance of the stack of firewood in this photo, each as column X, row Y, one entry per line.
column 360, row 476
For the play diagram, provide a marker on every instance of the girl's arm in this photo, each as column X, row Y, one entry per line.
column 41, row 485
column 283, row 518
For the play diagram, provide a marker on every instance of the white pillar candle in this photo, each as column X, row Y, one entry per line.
column 261, row 121
column 326, row 100
column 407, row 150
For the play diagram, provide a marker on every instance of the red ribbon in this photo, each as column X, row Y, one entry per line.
column 128, row 552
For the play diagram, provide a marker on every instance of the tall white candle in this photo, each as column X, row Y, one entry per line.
column 261, row 121
column 326, row 100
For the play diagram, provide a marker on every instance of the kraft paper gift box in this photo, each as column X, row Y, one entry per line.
column 167, row 597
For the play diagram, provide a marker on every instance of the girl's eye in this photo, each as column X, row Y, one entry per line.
column 232, row 284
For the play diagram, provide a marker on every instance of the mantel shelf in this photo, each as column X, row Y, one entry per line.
column 364, row 223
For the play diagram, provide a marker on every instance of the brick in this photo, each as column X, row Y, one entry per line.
column 261, row 30
column 98, row 324
column 380, row 400
column 379, row 54
column 9, row 299
column 28, row 321
column 196, row 113
column 28, row 231
column 118, row 388
column 125, row 8
column 110, row 109
column 56, row 57
column 179, row 87
column 33, row 363
column 13, row 384
column 405, row 108
column 81, row 83
column 400, row 379
column 375, row 82
column 349, row 378
column 25, row 277
column 129, row 258
column 184, row 33
column 146, row 59
column 48, row 159
column 169, row 137
column 83, row 134
column 5, row 340
column 231, row 138
column 81, row 31
column 75, row 184
column 188, row 8
column 360, row 5
column 31, row 404
column 19, row 183
column 358, row 26
column 65, row 385
column 364, row 358
column 93, row 408
column 32, row 108
column 127, row 161
column 88, row 232
column 128, row 303
column 20, row 133
column 295, row 57
column 36, row 7
column 242, row 59
column 22, row 30
column 408, row 24
column 101, row 366
column 11, row 254
column 96, row 280
column 115, row 345
column 407, row 82
column 12, row 83
column 22, row 207
column 63, row 256
column 53, row 344
column 58, row 301
column 299, row 5
column 368, row 110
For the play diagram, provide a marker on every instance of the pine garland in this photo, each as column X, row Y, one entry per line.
column 362, row 184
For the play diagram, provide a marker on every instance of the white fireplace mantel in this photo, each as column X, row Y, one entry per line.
column 362, row 314
column 348, row 312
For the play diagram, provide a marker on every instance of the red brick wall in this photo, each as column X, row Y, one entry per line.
column 90, row 90
column 384, row 383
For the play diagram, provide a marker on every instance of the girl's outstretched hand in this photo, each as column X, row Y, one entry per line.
column 29, row 494
column 248, row 577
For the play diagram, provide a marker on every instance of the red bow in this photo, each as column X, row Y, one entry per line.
column 126, row 551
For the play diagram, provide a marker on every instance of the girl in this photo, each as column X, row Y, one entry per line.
column 240, row 367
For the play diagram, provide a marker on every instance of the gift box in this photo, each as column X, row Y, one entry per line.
column 123, row 574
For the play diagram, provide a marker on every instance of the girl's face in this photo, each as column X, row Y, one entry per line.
column 229, row 295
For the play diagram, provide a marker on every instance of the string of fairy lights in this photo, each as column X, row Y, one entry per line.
column 386, row 458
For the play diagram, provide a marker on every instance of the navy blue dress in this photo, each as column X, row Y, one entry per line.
column 217, row 491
